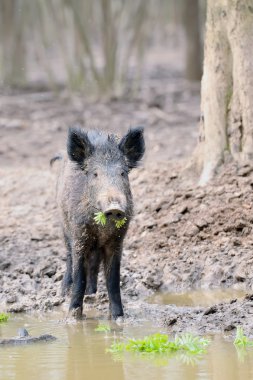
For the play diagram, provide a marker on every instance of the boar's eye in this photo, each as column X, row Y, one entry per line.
column 95, row 174
column 122, row 174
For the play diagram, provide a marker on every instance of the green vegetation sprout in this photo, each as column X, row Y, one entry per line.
column 160, row 343
column 4, row 317
column 120, row 223
column 241, row 340
column 102, row 327
column 191, row 343
column 100, row 219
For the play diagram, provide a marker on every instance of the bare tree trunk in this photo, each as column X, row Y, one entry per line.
column 226, row 126
column 193, row 69
column 109, row 43
column 12, row 66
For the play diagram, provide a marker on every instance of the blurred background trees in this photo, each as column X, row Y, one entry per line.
column 97, row 47
column 12, row 38
column 191, row 22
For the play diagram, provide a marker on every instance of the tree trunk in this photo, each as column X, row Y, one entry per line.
column 226, row 126
column 12, row 54
column 193, row 68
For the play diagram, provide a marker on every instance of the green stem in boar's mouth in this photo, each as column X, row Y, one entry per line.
column 100, row 219
column 120, row 223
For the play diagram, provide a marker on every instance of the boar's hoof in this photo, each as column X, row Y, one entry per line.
column 76, row 313
column 90, row 298
column 116, row 315
column 90, row 291
column 119, row 320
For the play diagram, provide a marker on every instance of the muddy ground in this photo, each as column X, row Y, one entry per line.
column 182, row 236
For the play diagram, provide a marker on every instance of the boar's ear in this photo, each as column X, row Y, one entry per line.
column 133, row 146
column 79, row 146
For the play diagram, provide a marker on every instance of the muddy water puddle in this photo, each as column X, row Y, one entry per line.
column 198, row 297
column 80, row 353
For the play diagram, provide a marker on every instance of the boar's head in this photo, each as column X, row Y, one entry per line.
column 105, row 162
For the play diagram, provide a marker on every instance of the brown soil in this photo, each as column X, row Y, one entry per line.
column 182, row 236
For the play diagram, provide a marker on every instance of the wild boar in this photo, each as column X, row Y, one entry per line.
column 94, row 178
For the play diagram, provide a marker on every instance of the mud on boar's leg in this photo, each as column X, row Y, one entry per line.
column 79, row 285
column 112, row 259
column 67, row 279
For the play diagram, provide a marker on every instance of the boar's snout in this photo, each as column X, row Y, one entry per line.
column 113, row 204
column 115, row 211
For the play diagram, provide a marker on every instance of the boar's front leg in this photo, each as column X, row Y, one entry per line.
column 112, row 273
column 79, row 284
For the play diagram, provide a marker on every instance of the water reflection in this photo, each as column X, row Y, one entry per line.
column 199, row 297
column 79, row 353
column 86, row 357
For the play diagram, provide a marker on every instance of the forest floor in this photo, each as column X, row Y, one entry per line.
column 182, row 236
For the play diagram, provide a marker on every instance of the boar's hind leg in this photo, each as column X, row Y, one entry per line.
column 78, row 287
column 112, row 274
column 93, row 263
column 67, row 279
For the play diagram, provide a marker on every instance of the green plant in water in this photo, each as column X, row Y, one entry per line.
column 4, row 317
column 102, row 327
column 100, row 219
column 160, row 344
column 241, row 340
column 191, row 343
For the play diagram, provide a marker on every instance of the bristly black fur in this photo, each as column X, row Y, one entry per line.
column 133, row 146
column 79, row 146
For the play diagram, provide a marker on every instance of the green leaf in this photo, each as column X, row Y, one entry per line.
column 100, row 218
column 103, row 328
column 160, row 343
column 241, row 340
column 4, row 317
column 120, row 223
column 116, row 347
